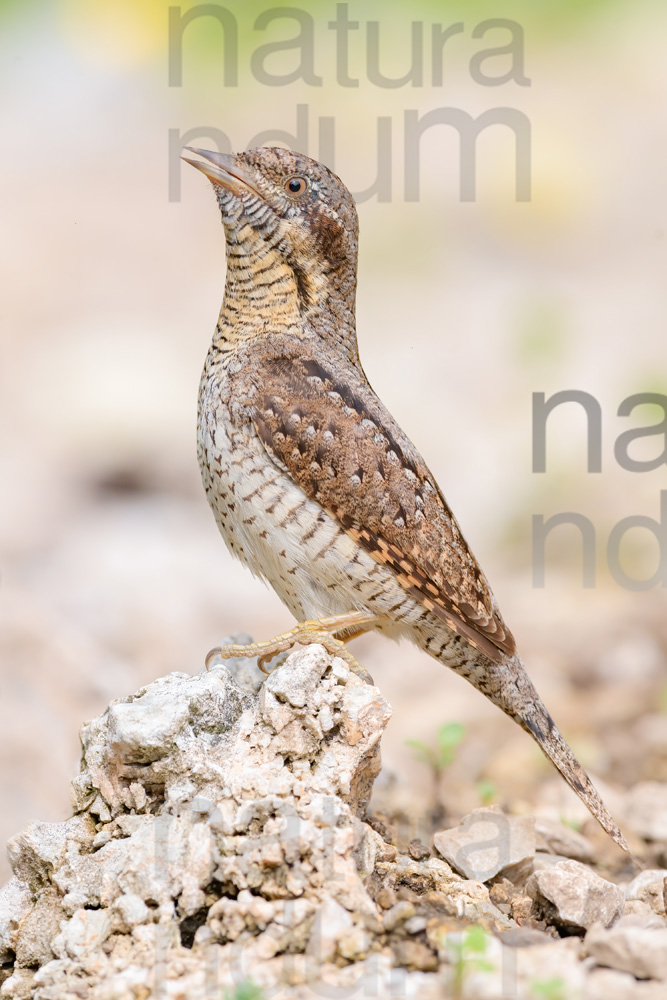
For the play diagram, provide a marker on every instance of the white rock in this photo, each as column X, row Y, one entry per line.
column 367, row 846
column 38, row 928
column 131, row 910
column 219, row 830
column 649, row 887
column 332, row 922
column 636, row 908
column 15, row 904
column 148, row 862
column 607, row 984
column 556, row 838
column 415, row 925
column 192, row 789
column 54, row 967
column 198, row 868
column 356, row 944
column 99, row 808
column 631, row 947
column 486, row 842
column 83, row 934
column 465, row 898
column 19, row 985
column 149, row 731
column 41, row 847
column 397, row 914
column 524, row 969
column 574, row 896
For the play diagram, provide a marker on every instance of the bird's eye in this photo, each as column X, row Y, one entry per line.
column 296, row 185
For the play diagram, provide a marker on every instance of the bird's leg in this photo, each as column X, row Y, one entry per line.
column 278, row 659
column 321, row 630
column 346, row 636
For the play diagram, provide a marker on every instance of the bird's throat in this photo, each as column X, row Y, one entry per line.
column 267, row 293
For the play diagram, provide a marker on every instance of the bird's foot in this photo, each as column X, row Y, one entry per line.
column 321, row 630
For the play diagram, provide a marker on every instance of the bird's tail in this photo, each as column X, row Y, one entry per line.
column 513, row 691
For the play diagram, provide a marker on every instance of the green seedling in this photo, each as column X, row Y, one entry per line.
column 487, row 791
column 439, row 757
column 548, row 989
column 572, row 824
column 465, row 953
column 245, row 991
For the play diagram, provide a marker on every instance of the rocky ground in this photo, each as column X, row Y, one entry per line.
column 225, row 842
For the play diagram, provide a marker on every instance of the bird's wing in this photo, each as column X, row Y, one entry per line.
column 341, row 445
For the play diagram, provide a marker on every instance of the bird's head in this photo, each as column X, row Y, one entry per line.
column 283, row 205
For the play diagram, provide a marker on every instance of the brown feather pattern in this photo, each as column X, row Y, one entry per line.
column 331, row 438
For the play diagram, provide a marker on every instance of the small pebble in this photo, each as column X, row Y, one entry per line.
column 386, row 898
column 415, row 925
column 397, row 914
column 418, row 851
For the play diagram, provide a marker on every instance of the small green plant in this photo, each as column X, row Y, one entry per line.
column 245, row 991
column 548, row 989
column 487, row 791
column 448, row 737
column 465, row 953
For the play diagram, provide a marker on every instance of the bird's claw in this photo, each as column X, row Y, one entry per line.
column 320, row 631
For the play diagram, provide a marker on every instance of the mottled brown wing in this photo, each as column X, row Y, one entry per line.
column 342, row 446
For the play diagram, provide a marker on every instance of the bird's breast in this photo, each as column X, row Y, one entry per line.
column 266, row 519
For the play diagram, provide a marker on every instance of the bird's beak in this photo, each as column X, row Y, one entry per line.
column 223, row 170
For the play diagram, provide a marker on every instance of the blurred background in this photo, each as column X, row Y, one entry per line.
column 112, row 572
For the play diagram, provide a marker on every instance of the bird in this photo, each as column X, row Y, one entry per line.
column 313, row 484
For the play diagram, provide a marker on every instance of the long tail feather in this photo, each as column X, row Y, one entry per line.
column 508, row 685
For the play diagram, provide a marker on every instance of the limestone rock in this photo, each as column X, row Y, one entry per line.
column 607, row 984
column 399, row 913
column 38, row 929
column 650, row 887
column 15, row 904
column 574, row 897
column 220, row 838
column 209, row 816
column 83, row 934
column 130, row 911
column 556, row 838
column 555, row 962
column 41, row 848
column 634, row 944
column 434, row 879
column 486, row 842
column 331, row 923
